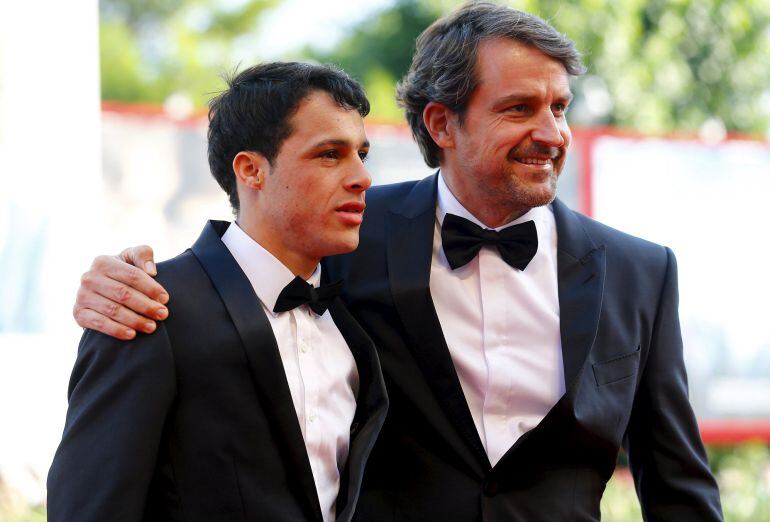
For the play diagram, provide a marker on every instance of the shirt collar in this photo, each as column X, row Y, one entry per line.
column 447, row 203
column 267, row 275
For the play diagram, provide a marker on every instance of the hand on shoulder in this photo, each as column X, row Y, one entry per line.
column 118, row 295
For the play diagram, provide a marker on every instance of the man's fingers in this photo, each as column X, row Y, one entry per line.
column 119, row 299
column 113, row 311
column 128, row 275
column 96, row 321
column 140, row 256
column 114, row 290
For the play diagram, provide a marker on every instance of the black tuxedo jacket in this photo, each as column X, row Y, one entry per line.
column 625, row 382
column 196, row 421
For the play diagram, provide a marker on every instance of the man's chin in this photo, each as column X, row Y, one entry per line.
column 344, row 245
column 537, row 195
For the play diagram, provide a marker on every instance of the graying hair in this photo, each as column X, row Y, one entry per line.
column 444, row 63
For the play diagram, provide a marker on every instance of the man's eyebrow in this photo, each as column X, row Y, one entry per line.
column 526, row 98
column 337, row 142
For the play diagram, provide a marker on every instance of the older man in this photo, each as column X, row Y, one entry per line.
column 522, row 343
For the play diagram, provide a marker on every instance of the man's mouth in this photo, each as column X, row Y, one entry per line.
column 535, row 161
column 351, row 212
column 536, row 155
column 356, row 207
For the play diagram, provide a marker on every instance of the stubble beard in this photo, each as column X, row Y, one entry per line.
column 517, row 196
column 524, row 195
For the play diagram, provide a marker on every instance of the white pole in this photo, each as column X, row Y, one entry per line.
column 50, row 206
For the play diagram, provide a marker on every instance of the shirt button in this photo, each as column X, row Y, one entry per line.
column 304, row 348
column 312, row 417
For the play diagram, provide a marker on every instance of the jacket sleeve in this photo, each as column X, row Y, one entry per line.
column 119, row 396
column 667, row 458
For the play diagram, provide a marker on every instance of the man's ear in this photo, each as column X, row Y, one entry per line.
column 251, row 169
column 439, row 121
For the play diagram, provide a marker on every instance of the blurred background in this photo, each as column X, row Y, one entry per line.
column 102, row 146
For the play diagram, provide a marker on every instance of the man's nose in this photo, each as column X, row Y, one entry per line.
column 359, row 178
column 547, row 130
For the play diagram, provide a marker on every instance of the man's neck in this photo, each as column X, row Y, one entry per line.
column 495, row 217
column 491, row 214
column 299, row 264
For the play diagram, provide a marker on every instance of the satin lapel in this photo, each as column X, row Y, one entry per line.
column 410, row 251
column 262, row 353
column 581, row 269
column 371, row 407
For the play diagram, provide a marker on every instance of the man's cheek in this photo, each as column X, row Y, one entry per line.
column 298, row 220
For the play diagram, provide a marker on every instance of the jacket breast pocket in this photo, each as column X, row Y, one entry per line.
column 617, row 369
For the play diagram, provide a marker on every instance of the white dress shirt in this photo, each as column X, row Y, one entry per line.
column 321, row 371
column 502, row 329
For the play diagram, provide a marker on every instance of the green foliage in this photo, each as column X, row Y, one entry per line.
column 32, row 514
column 619, row 502
column 378, row 52
column 380, row 88
column 14, row 507
column 663, row 65
column 672, row 64
column 138, row 13
column 385, row 41
column 124, row 76
column 743, row 473
column 151, row 49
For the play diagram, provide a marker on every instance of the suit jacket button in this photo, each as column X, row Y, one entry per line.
column 491, row 487
column 353, row 428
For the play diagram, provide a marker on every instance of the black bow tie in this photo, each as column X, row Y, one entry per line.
column 299, row 292
column 462, row 240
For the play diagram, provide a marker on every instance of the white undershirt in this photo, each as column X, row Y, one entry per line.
column 321, row 371
column 502, row 329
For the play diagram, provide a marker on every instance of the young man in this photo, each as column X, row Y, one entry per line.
column 260, row 397
column 523, row 344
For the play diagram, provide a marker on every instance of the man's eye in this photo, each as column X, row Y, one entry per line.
column 331, row 154
column 363, row 155
column 520, row 107
column 559, row 108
